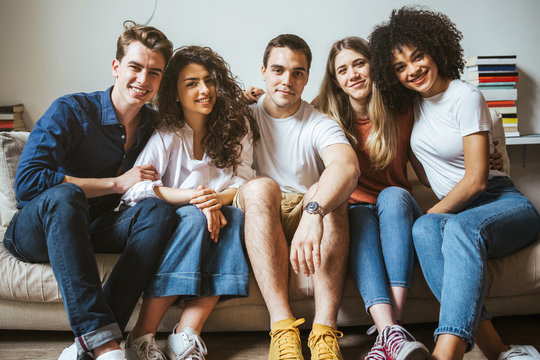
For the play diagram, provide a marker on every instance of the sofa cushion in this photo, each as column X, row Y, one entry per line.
column 11, row 145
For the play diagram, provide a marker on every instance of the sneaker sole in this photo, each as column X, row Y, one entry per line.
column 413, row 350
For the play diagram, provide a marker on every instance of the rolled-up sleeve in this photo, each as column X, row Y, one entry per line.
column 55, row 134
column 155, row 153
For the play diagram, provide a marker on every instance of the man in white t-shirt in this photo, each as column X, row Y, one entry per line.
column 307, row 171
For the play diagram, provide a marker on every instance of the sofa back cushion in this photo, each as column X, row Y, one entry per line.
column 11, row 145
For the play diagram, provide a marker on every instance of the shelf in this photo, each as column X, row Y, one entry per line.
column 523, row 140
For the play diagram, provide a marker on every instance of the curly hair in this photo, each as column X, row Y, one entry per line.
column 433, row 33
column 230, row 119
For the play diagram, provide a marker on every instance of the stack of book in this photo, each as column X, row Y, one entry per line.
column 496, row 77
column 11, row 118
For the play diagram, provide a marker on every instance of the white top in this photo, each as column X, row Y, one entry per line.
column 289, row 150
column 440, row 123
column 171, row 153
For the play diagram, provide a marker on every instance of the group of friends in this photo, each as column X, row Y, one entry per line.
column 220, row 176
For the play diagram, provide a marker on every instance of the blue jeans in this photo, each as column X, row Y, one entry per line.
column 55, row 227
column 453, row 250
column 382, row 253
column 194, row 266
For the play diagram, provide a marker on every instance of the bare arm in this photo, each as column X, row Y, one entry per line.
column 94, row 187
column 474, row 182
column 335, row 185
column 418, row 169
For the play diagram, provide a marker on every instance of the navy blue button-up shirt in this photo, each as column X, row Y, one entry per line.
column 80, row 136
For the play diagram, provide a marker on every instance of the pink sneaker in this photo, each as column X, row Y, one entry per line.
column 399, row 344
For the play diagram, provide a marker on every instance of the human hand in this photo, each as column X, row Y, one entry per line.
column 134, row 175
column 495, row 159
column 305, row 247
column 252, row 94
column 215, row 221
column 206, row 198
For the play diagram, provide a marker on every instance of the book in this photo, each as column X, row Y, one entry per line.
column 513, row 120
column 505, row 110
column 500, row 95
column 6, row 124
column 12, row 108
column 491, row 60
column 489, row 86
column 475, row 74
column 7, row 116
column 483, row 68
column 509, row 103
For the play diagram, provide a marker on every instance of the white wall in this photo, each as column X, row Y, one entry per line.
column 53, row 47
column 49, row 48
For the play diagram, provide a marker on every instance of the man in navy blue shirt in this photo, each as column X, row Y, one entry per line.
column 76, row 164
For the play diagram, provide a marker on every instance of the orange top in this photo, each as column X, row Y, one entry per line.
column 372, row 182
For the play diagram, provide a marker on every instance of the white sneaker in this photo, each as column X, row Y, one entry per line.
column 112, row 355
column 143, row 348
column 186, row 345
column 69, row 353
column 520, row 352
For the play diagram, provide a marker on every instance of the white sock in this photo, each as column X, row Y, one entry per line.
column 112, row 355
column 190, row 331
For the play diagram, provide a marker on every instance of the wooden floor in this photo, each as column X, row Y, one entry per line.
column 29, row 345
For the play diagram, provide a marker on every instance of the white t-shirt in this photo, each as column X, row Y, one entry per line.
column 440, row 123
column 289, row 150
column 171, row 153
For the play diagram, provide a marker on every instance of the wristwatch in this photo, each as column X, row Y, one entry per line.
column 313, row 207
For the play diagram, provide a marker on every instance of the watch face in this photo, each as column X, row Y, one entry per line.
column 312, row 206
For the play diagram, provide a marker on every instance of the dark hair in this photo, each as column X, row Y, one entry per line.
column 228, row 122
column 149, row 36
column 433, row 33
column 291, row 41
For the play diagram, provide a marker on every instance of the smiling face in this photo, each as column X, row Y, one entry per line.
column 196, row 90
column 416, row 70
column 137, row 76
column 352, row 75
column 285, row 75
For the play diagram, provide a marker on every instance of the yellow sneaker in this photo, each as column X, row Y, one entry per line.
column 323, row 343
column 285, row 344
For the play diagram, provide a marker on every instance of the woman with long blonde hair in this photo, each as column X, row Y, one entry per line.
column 382, row 209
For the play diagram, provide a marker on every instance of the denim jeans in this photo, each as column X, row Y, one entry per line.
column 382, row 252
column 194, row 266
column 55, row 227
column 453, row 250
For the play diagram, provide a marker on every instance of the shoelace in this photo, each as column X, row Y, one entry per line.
column 394, row 337
column 150, row 351
column 285, row 338
column 195, row 350
column 324, row 342
column 515, row 352
column 376, row 353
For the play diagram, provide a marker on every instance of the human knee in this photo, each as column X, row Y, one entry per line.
column 65, row 195
column 423, row 227
column 192, row 217
column 260, row 190
column 394, row 199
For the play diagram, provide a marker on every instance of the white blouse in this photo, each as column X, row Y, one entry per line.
column 171, row 153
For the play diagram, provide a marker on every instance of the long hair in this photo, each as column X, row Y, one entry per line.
column 332, row 100
column 434, row 33
column 228, row 122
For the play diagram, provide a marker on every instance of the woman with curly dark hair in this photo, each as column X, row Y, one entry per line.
column 480, row 214
column 202, row 151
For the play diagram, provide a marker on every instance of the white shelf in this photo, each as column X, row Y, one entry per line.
column 523, row 140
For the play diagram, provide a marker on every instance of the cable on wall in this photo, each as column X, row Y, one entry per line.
column 153, row 12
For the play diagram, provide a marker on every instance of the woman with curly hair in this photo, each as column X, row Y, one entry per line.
column 417, row 57
column 382, row 209
column 202, row 152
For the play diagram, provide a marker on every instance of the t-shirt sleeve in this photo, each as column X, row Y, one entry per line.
column 155, row 153
column 327, row 132
column 473, row 114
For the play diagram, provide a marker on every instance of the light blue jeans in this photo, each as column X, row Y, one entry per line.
column 382, row 252
column 453, row 250
column 194, row 266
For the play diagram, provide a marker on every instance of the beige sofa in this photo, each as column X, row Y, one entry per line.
column 29, row 296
